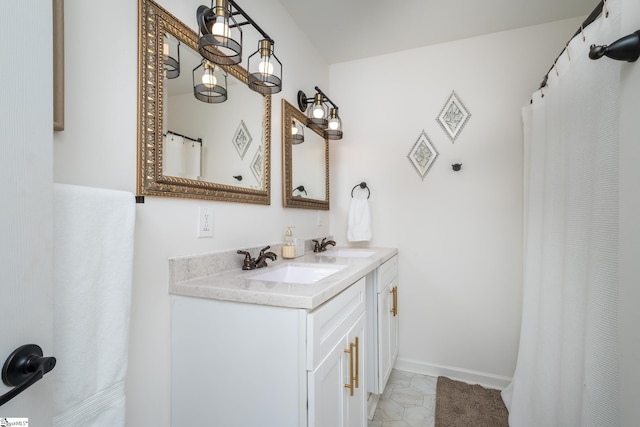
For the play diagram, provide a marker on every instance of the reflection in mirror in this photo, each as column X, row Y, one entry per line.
column 230, row 132
column 190, row 148
column 306, row 162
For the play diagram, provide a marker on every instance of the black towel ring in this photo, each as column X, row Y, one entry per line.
column 362, row 185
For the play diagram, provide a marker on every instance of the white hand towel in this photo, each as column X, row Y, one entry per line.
column 359, row 225
column 93, row 232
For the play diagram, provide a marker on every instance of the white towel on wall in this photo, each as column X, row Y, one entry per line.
column 359, row 225
column 93, row 234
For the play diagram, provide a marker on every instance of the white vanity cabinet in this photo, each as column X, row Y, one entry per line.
column 382, row 324
column 238, row 364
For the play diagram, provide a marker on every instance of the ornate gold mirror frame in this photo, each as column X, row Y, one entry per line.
column 153, row 23
column 290, row 113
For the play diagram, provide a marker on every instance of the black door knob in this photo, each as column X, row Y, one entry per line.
column 23, row 368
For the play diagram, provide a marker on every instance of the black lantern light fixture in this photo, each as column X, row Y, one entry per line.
column 221, row 43
column 264, row 69
column 171, row 64
column 334, row 127
column 221, row 36
column 209, row 83
column 319, row 115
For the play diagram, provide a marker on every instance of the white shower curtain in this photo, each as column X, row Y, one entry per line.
column 181, row 157
column 566, row 373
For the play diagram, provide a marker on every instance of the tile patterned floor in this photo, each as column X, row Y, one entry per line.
column 409, row 400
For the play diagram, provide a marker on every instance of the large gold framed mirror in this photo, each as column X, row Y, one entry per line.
column 186, row 147
column 305, row 162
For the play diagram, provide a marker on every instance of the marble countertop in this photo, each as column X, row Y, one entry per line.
column 238, row 286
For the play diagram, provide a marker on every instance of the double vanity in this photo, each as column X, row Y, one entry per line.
column 302, row 342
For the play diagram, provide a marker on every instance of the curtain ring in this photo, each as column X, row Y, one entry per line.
column 584, row 39
column 568, row 51
column 556, row 70
column 604, row 7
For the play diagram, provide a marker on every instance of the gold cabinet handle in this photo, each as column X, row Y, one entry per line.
column 357, row 378
column 395, row 302
column 394, row 308
column 351, row 377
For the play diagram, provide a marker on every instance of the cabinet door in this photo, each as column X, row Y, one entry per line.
column 331, row 403
column 326, row 394
column 385, row 304
column 394, row 324
column 387, row 331
column 357, row 404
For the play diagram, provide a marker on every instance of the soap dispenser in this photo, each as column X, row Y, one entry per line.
column 289, row 247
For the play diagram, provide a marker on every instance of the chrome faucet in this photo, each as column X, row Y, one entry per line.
column 251, row 263
column 322, row 246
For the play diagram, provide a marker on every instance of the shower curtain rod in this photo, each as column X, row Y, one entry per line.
column 592, row 17
column 199, row 140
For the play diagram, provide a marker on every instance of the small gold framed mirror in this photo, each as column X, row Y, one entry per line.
column 305, row 162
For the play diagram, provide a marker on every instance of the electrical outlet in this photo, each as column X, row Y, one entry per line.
column 205, row 222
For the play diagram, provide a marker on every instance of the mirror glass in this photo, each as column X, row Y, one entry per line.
column 190, row 148
column 306, row 162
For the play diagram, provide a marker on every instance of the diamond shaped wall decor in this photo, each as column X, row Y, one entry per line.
column 242, row 139
column 422, row 155
column 453, row 117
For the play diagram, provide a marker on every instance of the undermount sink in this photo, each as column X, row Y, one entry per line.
column 301, row 274
column 347, row 253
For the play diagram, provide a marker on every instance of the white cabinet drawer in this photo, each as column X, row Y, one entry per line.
column 327, row 324
column 387, row 272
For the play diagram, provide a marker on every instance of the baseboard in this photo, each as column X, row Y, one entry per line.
column 472, row 377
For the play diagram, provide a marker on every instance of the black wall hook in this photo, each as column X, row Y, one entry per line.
column 625, row 49
column 456, row 166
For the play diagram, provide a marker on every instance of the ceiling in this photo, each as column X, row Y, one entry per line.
column 343, row 30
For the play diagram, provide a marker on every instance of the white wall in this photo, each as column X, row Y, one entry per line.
column 98, row 148
column 459, row 233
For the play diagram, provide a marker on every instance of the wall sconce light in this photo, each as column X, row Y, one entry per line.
column 221, row 36
column 264, row 69
column 297, row 132
column 319, row 115
column 209, row 83
column 334, row 128
column 221, row 43
column 171, row 65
